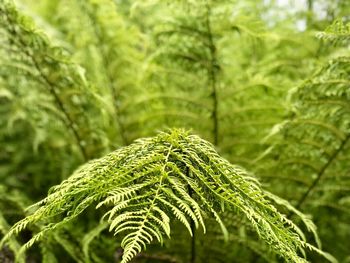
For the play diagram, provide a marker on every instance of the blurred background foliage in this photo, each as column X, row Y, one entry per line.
column 267, row 82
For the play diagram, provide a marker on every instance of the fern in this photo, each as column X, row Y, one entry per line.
column 195, row 44
column 91, row 76
column 16, row 201
column 155, row 180
column 46, row 68
column 109, row 51
column 337, row 32
column 312, row 148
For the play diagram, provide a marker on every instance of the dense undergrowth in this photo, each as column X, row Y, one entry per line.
column 174, row 131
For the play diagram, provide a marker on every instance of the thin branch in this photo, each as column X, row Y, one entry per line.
column 70, row 122
column 110, row 80
column 51, row 87
column 212, row 78
column 322, row 172
column 192, row 225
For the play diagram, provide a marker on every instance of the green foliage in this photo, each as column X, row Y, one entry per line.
column 46, row 68
column 153, row 181
column 17, row 201
column 313, row 147
column 337, row 32
column 79, row 79
column 194, row 47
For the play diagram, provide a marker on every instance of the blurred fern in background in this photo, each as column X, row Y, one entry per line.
column 86, row 87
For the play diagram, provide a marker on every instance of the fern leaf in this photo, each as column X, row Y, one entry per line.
column 158, row 170
column 311, row 148
column 337, row 32
column 34, row 67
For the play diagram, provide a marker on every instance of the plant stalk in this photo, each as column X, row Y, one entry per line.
column 193, row 227
column 322, row 172
column 212, row 78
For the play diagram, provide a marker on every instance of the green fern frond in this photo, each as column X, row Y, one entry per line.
column 311, row 148
column 153, row 181
column 195, row 56
column 88, row 238
column 337, row 32
column 11, row 202
column 106, row 78
column 33, row 67
column 108, row 47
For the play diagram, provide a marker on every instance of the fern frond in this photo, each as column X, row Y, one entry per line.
column 32, row 66
column 313, row 146
column 107, row 78
column 158, row 171
column 337, row 32
column 13, row 244
column 11, row 202
column 195, row 56
column 109, row 47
